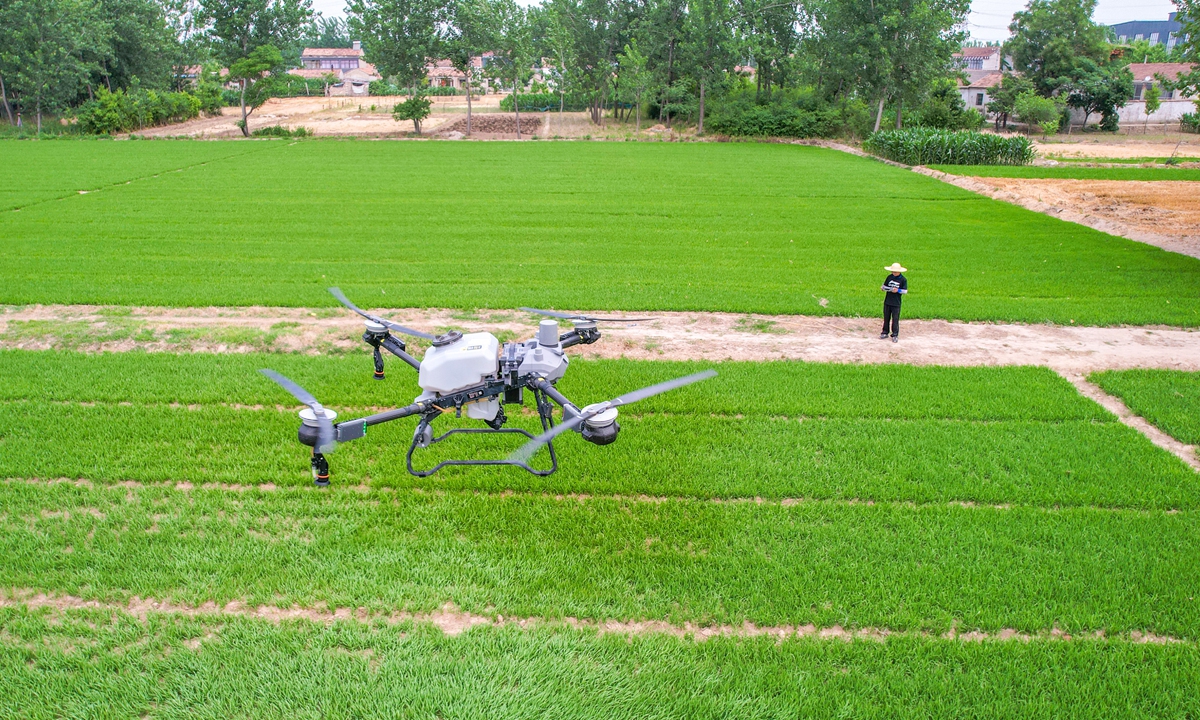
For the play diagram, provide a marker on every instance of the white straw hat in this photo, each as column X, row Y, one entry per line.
column 895, row 267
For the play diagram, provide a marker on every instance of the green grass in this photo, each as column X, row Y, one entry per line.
column 743, row 228
column 39, row 171
column 98, row 664
column 776, row 430
column 892, row 565
column 1073, row 173
column 1169, row 399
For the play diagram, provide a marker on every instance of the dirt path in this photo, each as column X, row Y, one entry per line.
column 452, row 621
column 672, row 336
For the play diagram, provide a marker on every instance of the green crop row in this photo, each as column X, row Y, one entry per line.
column 1069, row 464
column 102, row 664
column 925, row 146
column 785, row 388
column 859, row 565
column 1074, row 173
column 35, row 173
column 1169, row 399
column 740, row 228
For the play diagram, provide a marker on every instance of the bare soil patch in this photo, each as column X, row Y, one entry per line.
column 452, row 621
column 1123, row 146
column 672, row 336
column 494, row 125
column 1165, row 213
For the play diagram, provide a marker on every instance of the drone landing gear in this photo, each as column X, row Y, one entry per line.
column 320, row 469
column 424, row 437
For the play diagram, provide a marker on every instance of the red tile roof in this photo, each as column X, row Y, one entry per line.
column 331, row 53
column 1142, row 71
column 978, row 52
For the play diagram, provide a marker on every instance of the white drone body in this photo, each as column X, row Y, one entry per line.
column 474, row 358
column 473, row 373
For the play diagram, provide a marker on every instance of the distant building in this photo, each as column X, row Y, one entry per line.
column 979, row 62
column 351, row 74
column 1145, row 75
column 978, row 93
column 1157, row 32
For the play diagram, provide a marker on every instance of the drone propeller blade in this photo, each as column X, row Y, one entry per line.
column 325, row 435
column 527, row 450
column 341, row 297
column 577, row 316
column 662, row 387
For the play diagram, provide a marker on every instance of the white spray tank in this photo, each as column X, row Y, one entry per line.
column 462, row 363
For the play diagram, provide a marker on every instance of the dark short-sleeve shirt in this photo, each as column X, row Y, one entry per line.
column 897, row 281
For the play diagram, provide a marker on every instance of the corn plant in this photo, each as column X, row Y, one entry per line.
column 927, row 146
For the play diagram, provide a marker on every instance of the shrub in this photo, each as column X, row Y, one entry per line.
column 539, row 102
column 280, row 131
column 927, row 146
column 1190, row 122
column 415, row 108
column 798, row 113
column 1037, row 111
column 121, row 111
column 945, row 109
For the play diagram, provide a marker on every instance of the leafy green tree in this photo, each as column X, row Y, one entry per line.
column 1005, row 95
column 1100, row 89
column 1151, row 104
column 945, row 109
column 330, row 32
column 1037, row 111
column 139, row 42
column 512, row 49
column 1050, row 37
column 467, row 36
column 235, row 28
column 415, row 108
column 556, row 43
column 1188, row 50
column 400, row 36
column 45, row 53
column 254, row 75
column 636, row 78
column 709, row 46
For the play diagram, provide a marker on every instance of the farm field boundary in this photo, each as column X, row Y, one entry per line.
column 711, row 336
column 452, row 621
column 180, row 666
column 1072, row 173
column 1169, row 399
column 1121, row 224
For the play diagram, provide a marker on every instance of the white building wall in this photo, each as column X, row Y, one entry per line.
column 1170, row 111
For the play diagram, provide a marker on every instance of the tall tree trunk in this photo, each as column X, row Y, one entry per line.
column 562, row 100
column 245, row 124
column 7, row 108
column 638, row 120
column 468, row 76
column 879, row 112
column 700, row 128
column 516, row 105
column 39, row 117
column 899, row 113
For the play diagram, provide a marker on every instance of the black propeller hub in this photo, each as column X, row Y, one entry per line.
column 447, row 339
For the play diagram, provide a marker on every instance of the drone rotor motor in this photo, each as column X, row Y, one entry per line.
column 601, row 428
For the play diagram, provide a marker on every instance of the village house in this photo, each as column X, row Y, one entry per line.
column 350, row 73
column 984, row 70
column 1172, row 104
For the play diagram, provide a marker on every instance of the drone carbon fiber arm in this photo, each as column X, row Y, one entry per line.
column 569, row 408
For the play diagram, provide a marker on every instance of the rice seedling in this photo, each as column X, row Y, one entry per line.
column 743, row 228
column 174, row 666
column 1170, row 399
column 890, row 565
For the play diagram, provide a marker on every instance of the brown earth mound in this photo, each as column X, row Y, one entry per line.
column 494, row 124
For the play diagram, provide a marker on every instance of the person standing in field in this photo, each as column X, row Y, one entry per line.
column 895, row 287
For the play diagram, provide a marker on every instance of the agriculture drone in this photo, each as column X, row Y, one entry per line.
column 472, row 372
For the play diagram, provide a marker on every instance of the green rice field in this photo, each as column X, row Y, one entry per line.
column 635, row 226
column 788, row 539
column 1073, row 173
column 840, row 504
column 1170, row 399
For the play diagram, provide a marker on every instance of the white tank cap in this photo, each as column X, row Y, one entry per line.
column 309, row 418
column 548, row 333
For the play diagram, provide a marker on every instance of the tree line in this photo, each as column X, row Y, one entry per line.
column 737, row 66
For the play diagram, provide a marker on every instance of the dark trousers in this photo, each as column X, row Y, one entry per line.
column 891, row 313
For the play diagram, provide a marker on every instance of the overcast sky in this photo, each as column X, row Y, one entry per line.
column 989, row 19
